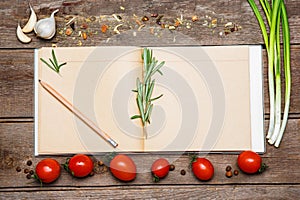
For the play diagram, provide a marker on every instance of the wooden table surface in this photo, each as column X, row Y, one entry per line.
column 280, row 181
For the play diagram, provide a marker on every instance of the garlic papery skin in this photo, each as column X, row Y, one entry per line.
column 21, row 36
column 46, row 28
column 31, row 21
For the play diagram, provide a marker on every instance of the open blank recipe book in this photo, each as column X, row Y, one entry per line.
column 212, row 100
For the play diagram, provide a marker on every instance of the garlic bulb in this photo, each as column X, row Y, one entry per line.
column 45, row 28
column 31, row 22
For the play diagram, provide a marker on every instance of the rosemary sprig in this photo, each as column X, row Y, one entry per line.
column 53, row 63
column 145, row 87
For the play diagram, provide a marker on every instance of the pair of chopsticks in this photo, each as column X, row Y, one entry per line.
column 76, row 112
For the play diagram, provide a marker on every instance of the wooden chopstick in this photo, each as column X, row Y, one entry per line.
column 76, row 112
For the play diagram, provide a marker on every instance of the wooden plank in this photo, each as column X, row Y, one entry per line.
column 161, row 192
column 224, row 11
column 16, row 83
column 16, row 147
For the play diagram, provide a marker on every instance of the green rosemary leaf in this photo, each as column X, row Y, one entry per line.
column 148, row 112
column 54, row 57
column 156, row 98
column 135, row 117
column 157, row 68
column 62, row 64
column 44, row 61
column 141, row 108
column 55, row 67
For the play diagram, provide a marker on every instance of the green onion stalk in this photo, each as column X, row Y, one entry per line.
column 276, row 16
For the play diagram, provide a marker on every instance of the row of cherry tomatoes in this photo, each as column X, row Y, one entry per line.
column 123, row 167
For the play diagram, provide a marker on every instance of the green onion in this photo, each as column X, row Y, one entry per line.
column 276, row 18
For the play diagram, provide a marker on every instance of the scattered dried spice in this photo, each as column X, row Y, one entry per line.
column 84, row 35
column 228, row 168
column 18, row 169
column 172, row 167
column 236, row 172
column 154, row 15
column 28, row 176
column 31, row 172
column 26, row 171
column 69, row 31
column 145, row 18
column 84, row 26
column 228, row 174
column 92, row 18
column 231, row 27
column 158, row 20
column 29, row 162
column 100, row 163
column 195, row 18
column 104, row 28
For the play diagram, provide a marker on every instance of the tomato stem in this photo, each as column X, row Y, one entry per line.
column 155, row 178
column 263, row 168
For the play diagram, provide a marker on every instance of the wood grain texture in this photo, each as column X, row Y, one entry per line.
column 224, row 11
column 20, row 137
column 282, row 179
column 162, row 192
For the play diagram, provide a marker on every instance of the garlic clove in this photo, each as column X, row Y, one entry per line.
column 46, row 28
column 31, row 21
column 21, row 36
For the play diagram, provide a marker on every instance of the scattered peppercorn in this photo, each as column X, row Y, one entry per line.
column 172, row 167
column 228, row 174
column 182, row 172
column 84, row 26
column 228, row 168
column 69, row 31
column 31, row 172
column 154, row 15
column 158, row 21
column 28, row 176
column 29, row 163
column 145, row 18
column 18, row 169
column 100, row 162
column 104, row 28
column 84, row 35
column 195, row 18
column 26, row 171
column 236, row 172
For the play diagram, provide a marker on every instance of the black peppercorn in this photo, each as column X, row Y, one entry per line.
column 172, row 167
column 29, row 163
column 228, row 168
column 18, row 169
column 182, row 172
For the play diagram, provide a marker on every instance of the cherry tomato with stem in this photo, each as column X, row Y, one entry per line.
column 202, row 168
column 79, row 165
column 250, row 162
column 160, row 169
column 47, row 170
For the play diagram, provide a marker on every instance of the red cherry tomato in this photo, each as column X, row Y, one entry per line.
column 203, row 169
column 160, row 168
column 249, row 162
column 80, row 165
column 123, row 168
column 47, row 170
